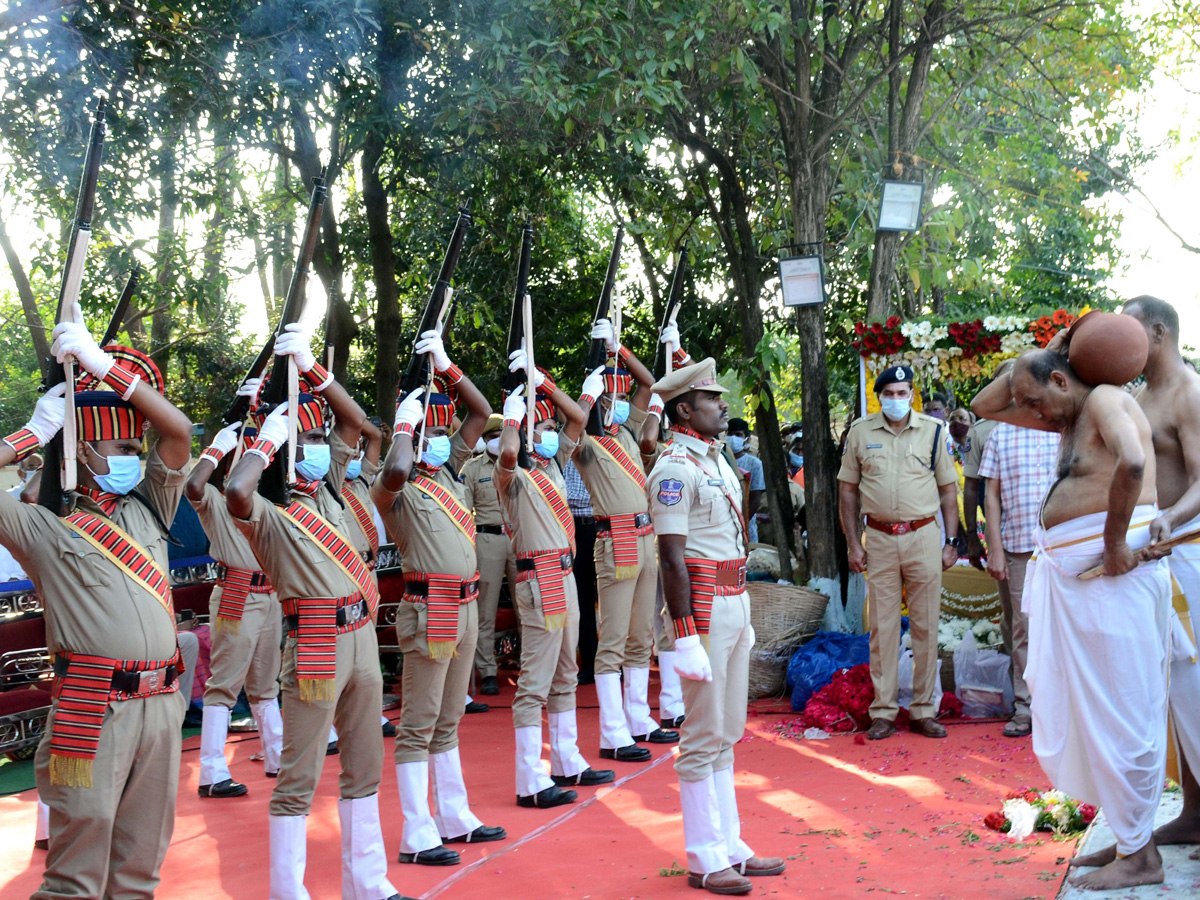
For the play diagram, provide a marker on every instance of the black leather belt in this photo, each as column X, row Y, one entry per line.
column 346, row 615
column 421, row 588
column 258, row 579
column 490, row 529
column 584, row 520
column 131, row 682
column 641, row 520
column 527, row 565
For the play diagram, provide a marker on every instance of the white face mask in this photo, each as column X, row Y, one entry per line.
column 895, row 408
column 480, row 446
column 493, row 446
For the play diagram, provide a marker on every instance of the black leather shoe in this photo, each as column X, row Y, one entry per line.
column 673, row 723
column 389, row 730
column 658, row 736
column 589, row 777
column 632, row 753
column 399, row 897
column 331, row 748
column 481, row 835
column 226, row 788
column 476, row 707
column 435, row 856
column 489, row 686
column 274, row 774
column 546, row 798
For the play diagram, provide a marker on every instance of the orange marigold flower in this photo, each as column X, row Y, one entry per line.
column 1060, row 316
column 1045, row 322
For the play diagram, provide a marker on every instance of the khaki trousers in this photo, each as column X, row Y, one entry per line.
column 1015, row 628
column 109, row 840
column 626, row 608
column 716, row 710
column 549, row 669
column 494, row 556
column 354, row 711
column 250, row 658
column 434, row 690
column 911, row 563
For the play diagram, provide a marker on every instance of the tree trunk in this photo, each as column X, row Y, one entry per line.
column 383, row 271
column 33, row 318
column 161, row 321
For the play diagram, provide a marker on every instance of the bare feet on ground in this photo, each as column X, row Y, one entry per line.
column 1181, row 830
column 1143, row 867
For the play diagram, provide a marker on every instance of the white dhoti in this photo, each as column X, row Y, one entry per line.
column 1184, row 693
column 1097, row 670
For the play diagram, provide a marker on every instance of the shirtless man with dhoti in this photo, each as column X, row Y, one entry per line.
column 1170, row 399
column 1097, row 666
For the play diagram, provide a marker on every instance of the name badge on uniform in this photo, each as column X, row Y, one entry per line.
column 717, row 482
column 670, row 491
column 484, row 480
column 874, row 446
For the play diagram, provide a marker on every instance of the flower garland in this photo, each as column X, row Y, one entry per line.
column 1027, row 811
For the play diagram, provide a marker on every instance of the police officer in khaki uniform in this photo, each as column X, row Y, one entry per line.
column 626, row 567
column 696, row 500
column 424, row 510
column 330, row 671
column 896, row 472
column 356, row 491
column 244, row 617
column 493, row 549
column 108, row 767
column 533, row 493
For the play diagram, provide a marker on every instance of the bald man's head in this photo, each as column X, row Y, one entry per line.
column 1043, row 383
column 1161, row 322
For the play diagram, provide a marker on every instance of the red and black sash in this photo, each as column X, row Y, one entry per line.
column 366, row 522
column 82, row 695
column 459, row 514
column 713, row 578
column 442, row 596
column 236, row 586
column 549, row 573
column 556, row 501
column 317, row 635
column 612, row 447
column 126, row 554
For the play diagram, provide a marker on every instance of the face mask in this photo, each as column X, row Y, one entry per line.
column 736, row 443
column 548, row 446
column 493, row 446
column 796, row 459
column 958, row 430
column 315, row 464
column 938, row 414
column 620, row 412
column 895, row 409
column 353, row 470
column 124, row 472
column 437, row 451
column 480, row 446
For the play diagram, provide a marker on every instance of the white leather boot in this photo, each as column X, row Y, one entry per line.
column 289, row 853
column 565, row 758
column 214, row 728
column 364, row 860
column 531, row 774
column 452, row 811
column 270, row 733
column 731, row 824
column 670, row 690
column 614, row 731
column 420, row 832
column 637, row 703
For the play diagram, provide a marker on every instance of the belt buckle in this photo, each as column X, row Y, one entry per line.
column 353, row 613
column 565, row 561
column 741, row 574
column 901, row 528
column 151, row 681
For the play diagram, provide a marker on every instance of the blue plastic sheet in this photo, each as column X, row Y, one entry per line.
column 814, row 664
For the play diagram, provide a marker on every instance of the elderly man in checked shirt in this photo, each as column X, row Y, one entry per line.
column 1019, row 465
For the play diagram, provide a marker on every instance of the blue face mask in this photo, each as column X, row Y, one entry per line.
column 315, row 464
column 124, row 473
column 620, row 412
column 736, row 443
column 796, row 459
column 437, row 451
column 547, row 447
column 354, row 469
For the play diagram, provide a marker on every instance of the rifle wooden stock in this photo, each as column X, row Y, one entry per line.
column 598, row 352
column 663, row 363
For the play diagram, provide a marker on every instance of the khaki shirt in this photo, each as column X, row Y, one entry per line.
column 478, row 473
column 695, row 492
column 295, row 563
column 977, row 436
column 361, row 486
column 428, row 539
column 533, row 524
column 898, row 475
column 226, row 543
column 613, row 492
column 91, row 605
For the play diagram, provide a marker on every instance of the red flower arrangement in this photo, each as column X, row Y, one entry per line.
column 967, row 335
column 845, row 704
column 1046, row 327
column 878, row 338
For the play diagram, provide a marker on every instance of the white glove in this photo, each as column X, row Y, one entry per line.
column 593, row 385
column 227, row 438
column 410, row 411
column 656, row 405
column 691, row 659
column 73, row 339
column 48, row 415
column 514, row 406
column 517, row 362
column 670, row 337
column 275, row 429
column 431, row 343
column 604, row 329
column 294, row 342
column 249, row 388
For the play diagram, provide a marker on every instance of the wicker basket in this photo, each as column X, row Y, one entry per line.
column 784, row 616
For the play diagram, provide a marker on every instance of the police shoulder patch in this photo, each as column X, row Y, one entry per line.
column 670, row 491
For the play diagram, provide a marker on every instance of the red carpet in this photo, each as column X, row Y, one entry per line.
column 904, row 816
